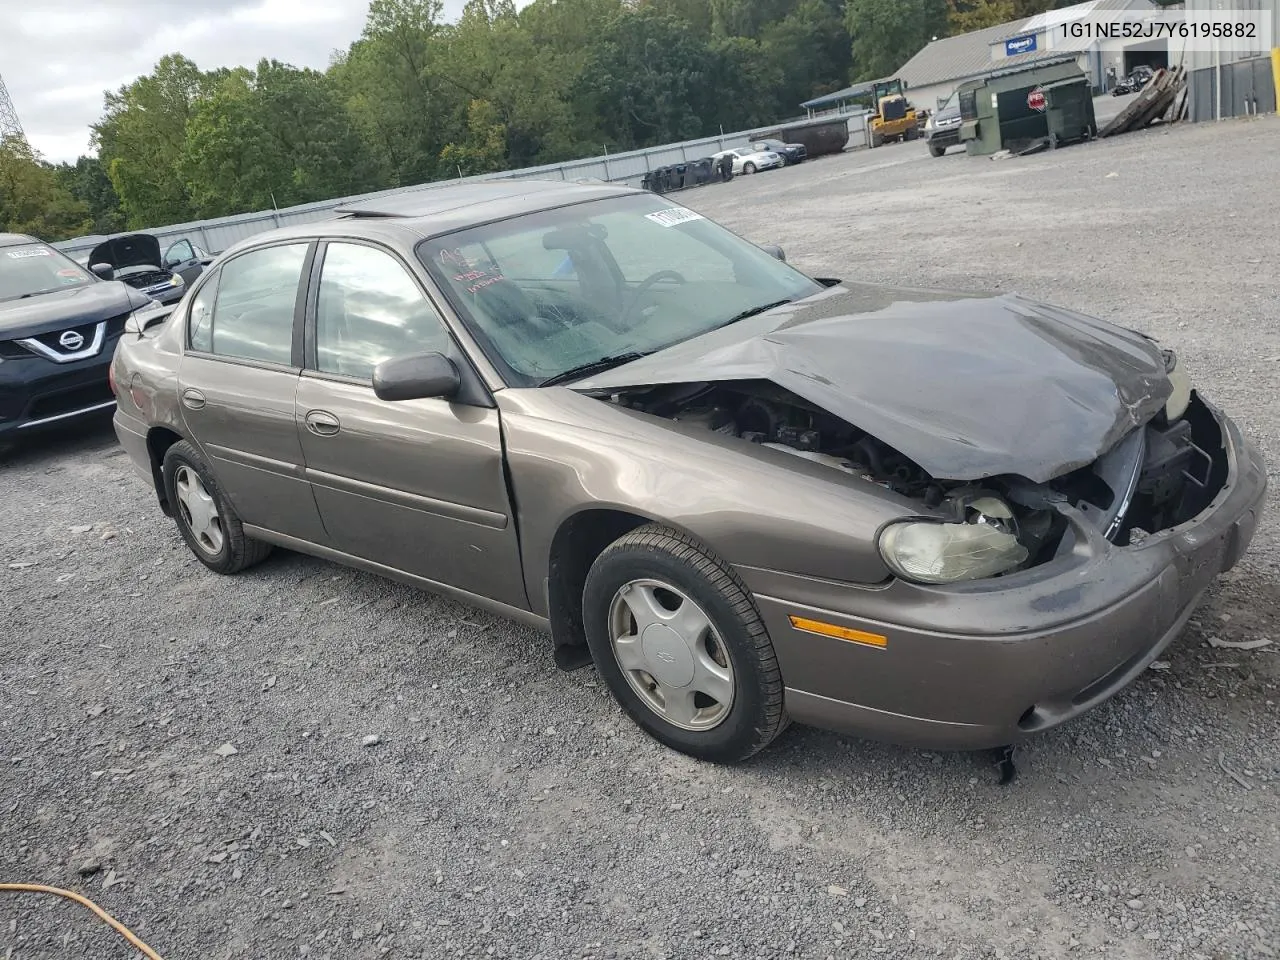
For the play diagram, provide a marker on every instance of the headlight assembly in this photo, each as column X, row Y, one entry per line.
column 175, row 280
column 931, row 551
column 1180, row 398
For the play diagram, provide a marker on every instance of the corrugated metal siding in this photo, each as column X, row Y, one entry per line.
column 218, row 234
column 1202, row 59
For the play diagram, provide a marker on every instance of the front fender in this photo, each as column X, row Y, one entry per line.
column 753, row 506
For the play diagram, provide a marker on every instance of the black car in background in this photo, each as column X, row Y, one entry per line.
column 59, row 325
column 135, row 259
column 1134, row 82
column 791, row 153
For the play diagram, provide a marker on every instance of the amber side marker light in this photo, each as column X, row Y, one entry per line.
column 840, row 633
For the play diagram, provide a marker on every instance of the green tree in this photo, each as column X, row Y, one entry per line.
column 32, row 201
column 276, row 137
column 888, row 33
column 87, row 181
column 810, row 50
column 142, row 137
column 649, row 81
column 696, row 13
column 966, row 15
column 385, row 83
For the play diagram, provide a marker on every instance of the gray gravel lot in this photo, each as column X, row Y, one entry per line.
column 509, row 810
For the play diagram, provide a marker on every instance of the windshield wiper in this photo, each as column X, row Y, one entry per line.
column 753, row 312
column 595, row 366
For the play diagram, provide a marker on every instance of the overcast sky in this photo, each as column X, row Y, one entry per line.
column 58, row 56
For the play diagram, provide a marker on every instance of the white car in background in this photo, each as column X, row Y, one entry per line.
column 749, row 160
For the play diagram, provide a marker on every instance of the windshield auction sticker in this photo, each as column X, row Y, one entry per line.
column 673, row 216
column 26, row 252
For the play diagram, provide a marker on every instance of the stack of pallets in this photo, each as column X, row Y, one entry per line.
column 1163, row 99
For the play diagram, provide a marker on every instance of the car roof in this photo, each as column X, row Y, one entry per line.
column 436, row 211
column 444, row 209
column 16, row 239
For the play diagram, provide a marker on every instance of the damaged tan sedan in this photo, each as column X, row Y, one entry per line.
column 747, row 495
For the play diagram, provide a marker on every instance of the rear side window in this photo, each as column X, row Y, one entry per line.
column 253, row 312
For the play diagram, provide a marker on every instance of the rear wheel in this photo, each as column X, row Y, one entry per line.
column 675, row 634
column 205, row 517
column 748, row 168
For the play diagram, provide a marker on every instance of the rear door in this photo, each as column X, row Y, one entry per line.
column 415, row 485
column 237, row 382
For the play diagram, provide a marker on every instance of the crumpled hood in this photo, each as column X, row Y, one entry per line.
column 966, row 386
column 134, row 250
column 70, row 307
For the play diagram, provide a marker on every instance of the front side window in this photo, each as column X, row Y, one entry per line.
column 369, row 309
column 253, row 311
column 28, row 270
column 179, row 252
column 549, row 292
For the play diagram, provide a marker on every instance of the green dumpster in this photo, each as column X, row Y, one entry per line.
column 1069, row 110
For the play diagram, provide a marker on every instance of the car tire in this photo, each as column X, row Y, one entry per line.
column 709, row 636
column 936, row 151
column 204, row 515
column 748, row 168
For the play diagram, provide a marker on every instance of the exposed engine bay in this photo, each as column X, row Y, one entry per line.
column 1157, row 477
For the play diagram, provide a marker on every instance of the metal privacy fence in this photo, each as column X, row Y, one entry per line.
column 1248, row 88
column 630, row 168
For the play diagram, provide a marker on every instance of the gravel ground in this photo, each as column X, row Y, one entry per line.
column 413, row 778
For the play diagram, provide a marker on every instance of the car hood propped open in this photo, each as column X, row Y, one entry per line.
column 134, row 250
column 966, row 386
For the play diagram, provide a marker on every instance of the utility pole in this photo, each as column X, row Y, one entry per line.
column 10, row 126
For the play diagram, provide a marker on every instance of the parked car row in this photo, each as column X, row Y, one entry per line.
column 738, row 161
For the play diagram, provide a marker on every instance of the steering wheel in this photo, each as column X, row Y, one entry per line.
column 644, row 286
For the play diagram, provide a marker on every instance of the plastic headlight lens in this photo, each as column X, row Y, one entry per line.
column 1180, row 398
column 175, row 280
column 926, row 551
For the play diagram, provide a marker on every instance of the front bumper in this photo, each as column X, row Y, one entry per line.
column 37, row 394
column 944, row 136
column 992, row 662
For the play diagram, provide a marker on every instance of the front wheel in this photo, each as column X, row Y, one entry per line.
column 936, row 151
column 678, row 639
column 205, row 517
column 748, row 168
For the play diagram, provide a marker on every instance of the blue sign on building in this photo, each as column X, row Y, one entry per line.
column 1023, row 44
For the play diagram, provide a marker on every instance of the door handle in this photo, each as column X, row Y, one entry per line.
column 192, row 399
column 322, row 423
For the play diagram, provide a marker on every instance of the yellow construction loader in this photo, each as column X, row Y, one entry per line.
column 893, row 118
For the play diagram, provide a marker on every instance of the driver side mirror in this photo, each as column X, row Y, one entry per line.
column 422, row 377
column 775, row 251
column 103, row 270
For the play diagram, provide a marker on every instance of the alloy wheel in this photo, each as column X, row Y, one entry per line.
column 199, row 511
column 671, row 655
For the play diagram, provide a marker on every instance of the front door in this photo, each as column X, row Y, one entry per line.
column 237, row 383
column 414, row 485
column 181, row 258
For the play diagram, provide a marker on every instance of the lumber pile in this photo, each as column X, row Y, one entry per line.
column 1163, row 99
